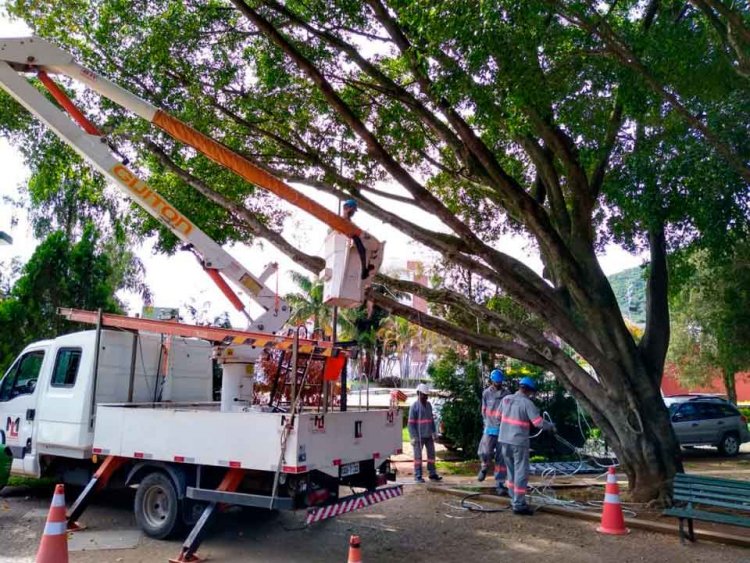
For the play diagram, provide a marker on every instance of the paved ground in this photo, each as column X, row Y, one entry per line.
column 418, row 527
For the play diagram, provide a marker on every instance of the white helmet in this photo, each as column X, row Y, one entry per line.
column 422, row 388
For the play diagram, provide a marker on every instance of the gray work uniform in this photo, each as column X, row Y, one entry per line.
column 421, row 424
column 489, row 448
column 519, row 414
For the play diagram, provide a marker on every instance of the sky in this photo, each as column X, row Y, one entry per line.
column 176, row 281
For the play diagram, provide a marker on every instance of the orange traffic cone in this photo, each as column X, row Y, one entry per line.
column 54, row 545
column 355, row 555
column 613, row 522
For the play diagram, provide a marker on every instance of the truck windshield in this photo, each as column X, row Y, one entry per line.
column 22, row 376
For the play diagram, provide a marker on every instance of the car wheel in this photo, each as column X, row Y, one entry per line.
column 729, row 445
column 157, row 509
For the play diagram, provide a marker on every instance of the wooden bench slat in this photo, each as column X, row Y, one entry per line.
column 683, row 479
column 740, row 493
column 678, row 491
column 721, row 518
column 718, row 502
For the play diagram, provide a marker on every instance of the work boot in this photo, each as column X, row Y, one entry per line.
column 482, row 475
column 523, row 511
column 502, row 491
column 418, row 479
column 435, row 477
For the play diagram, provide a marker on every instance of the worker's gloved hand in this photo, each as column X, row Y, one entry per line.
column 549, row 426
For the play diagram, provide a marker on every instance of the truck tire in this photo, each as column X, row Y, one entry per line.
column 157, row 507
column 730, row 444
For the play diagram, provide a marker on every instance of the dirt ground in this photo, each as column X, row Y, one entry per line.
column 417, row 527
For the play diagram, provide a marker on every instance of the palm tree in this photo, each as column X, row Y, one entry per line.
column 307, row 304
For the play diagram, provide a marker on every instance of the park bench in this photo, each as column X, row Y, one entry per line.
column 724, row 501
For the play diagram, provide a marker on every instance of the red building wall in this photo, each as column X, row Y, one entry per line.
column 671, row 386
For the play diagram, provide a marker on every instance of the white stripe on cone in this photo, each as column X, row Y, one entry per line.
column 54, row 529
column 58, row 500
column 611, row 499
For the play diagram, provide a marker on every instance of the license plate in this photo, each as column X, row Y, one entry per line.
column 349, row 469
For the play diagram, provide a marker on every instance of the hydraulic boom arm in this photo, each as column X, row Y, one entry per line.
column 32, row 54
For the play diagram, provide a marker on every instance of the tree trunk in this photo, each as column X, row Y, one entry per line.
column 642, row 437
column 730, row 384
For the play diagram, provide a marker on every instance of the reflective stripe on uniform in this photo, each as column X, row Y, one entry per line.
column 515, row 422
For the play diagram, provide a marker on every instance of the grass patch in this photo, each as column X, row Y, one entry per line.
column 405, row 435
column 462, row 468
column 20, row 481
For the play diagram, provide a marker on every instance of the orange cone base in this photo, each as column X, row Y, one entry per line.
column 613, row 531
column 188, row 559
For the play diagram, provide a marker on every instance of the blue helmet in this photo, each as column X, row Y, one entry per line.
column 528, row 382
column 497, row 376
column 350, row 203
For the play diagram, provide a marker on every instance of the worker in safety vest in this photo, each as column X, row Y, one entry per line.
column 422, row 431
column 519, row 414
column 490, row 450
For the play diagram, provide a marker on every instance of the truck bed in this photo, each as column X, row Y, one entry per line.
column 200, row 433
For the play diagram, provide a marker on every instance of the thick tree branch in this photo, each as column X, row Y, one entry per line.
column 655, row 339
column 545, row 166
column 459, row 334
column 374, row 148
column 613, row 127
column 389, row 86
column 312, row 263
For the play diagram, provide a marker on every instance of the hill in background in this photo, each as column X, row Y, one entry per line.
column 630, row 290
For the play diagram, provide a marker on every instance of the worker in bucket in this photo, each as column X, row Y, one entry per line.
column 490, row 450
column 519, row 414
column 349, row 209
column 422, row 431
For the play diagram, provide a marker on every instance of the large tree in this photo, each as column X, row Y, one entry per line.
column 574, row 123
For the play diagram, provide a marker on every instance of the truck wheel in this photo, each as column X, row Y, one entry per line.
column 729, row 445
column 157, row 508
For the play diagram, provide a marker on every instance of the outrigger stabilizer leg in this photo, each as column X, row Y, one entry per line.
column 230, row 483
column 98, row 482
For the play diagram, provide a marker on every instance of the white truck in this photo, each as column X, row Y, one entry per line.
column 113, row 407
column 123, row 406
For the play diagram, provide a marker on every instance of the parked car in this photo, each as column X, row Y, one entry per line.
column 708, row 421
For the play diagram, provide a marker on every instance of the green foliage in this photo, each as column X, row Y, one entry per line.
column 629, row 287
column 461, row 413
column 307, row 304
column 61, row 273
column 552, row 398
column 711, row 315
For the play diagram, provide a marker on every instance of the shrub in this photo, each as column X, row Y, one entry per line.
column 460, row 414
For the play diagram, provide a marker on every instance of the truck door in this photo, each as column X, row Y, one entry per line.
column 18, row 398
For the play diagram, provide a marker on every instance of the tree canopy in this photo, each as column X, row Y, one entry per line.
column 711, row 317
column 62, row 272
column 574, row 123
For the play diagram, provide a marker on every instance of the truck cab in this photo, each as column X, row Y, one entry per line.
column 49, row 394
